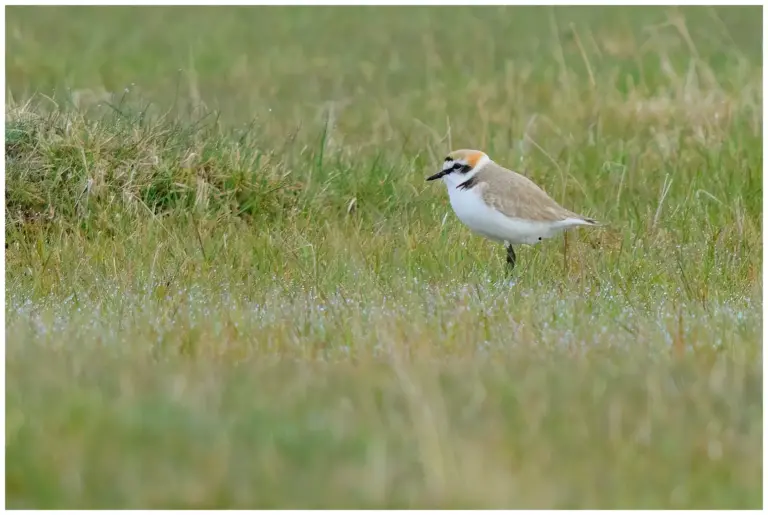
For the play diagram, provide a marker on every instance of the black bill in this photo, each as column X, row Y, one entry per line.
column 438, row 175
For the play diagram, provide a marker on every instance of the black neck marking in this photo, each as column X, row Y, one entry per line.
column 468, row 184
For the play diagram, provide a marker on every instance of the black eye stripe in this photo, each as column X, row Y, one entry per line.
column 457, row 166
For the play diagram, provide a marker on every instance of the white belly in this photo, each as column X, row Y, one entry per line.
column 475, row 214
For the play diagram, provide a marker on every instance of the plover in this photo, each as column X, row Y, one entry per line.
column 501, row 204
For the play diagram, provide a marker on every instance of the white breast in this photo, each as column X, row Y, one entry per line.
column 478, row 216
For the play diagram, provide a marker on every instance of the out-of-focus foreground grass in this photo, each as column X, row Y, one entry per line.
column 228, row 285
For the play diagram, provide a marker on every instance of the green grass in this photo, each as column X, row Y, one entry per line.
column 228, row 284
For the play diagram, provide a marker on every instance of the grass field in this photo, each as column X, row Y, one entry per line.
column 229, row 285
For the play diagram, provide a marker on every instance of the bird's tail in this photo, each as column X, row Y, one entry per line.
column 592, row 221
column 575, row 220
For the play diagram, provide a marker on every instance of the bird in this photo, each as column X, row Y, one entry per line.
column 503, row 205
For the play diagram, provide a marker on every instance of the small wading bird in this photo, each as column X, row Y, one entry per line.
column 502, row 205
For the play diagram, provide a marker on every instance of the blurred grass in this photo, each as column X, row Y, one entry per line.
column 228, row 284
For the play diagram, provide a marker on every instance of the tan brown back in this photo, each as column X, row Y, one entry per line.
column 517, row 196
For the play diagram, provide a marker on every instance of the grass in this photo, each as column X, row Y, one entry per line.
column 228, row 284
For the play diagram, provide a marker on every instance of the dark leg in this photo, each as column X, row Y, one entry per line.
column 511, row 258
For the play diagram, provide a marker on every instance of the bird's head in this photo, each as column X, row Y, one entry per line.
column 461, row 165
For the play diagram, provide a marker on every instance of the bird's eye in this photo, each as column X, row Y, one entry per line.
column 457, row 166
